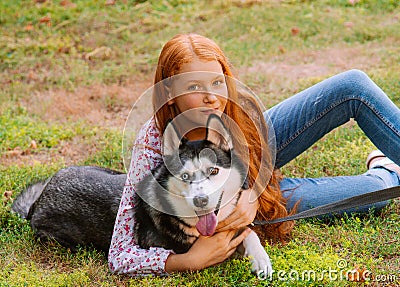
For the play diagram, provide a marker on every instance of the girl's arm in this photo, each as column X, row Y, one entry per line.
column 244, row 213
column 206, row 251
column 125, row 256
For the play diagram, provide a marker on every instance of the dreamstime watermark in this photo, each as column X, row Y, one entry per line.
column 339, row 273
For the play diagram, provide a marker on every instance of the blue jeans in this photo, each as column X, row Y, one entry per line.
column 306, row 117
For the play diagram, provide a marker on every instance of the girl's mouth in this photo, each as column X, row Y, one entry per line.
column 210, row 111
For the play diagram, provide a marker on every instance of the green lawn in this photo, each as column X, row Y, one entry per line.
column 71, row 70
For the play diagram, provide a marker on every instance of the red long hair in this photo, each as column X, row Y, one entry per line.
column 183, row 48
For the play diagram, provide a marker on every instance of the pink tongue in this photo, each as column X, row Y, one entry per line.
column 207, row 224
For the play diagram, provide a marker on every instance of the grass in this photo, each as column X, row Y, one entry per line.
column 53, row 48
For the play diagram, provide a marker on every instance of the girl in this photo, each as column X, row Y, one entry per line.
column 298, row 123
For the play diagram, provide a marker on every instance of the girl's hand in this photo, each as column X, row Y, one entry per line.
column 206, row 251
column 243, row 214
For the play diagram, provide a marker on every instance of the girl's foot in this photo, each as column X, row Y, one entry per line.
column 378, row 159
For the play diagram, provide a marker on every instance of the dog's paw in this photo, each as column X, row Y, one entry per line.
column 261, row 264
column 259, row 259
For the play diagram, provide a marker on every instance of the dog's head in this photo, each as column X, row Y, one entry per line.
column 206, row 174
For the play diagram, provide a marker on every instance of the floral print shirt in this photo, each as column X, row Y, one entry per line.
column 125, row 256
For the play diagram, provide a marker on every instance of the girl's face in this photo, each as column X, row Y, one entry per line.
column 198, row 91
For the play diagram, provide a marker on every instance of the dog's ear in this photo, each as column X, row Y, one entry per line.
column 246, row 184
column 171, row 139
column 217, row 133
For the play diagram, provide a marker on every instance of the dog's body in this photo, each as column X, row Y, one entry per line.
column 198, row 184
column 76, row 206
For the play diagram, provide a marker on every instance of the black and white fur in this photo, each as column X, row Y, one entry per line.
column 78, row 205
column 182, row 188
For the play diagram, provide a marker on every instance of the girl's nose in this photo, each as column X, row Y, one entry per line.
column 210, row 98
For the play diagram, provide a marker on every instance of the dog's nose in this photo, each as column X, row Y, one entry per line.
column 200, row 200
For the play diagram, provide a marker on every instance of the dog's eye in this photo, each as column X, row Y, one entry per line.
column 213, row 170
column 185, row 176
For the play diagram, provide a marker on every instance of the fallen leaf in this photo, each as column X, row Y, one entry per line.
column 31, row 76
column 65, row 50
column 67, row 4
column 33, row 144
column 7, row 196
column 28, row 27
column 7, row 193
column 358, row 274
column 39, row 1
column 45, row 19
column 17, row 151
column 295, row 31
column 99, row 53
column 246, row 3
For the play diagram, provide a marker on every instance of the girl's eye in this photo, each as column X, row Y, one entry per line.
column 185, row 176
column 195, row 87
column 213, row 170
column 217, row 83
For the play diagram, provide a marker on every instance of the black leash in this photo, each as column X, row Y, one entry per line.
column 331, row 208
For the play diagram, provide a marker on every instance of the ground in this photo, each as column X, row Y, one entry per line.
column 109, row 105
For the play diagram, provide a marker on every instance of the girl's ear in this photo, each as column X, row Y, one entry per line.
column 217, row 133
column 171, row 101
column 171, row 139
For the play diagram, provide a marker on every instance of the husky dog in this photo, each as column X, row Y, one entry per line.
column 198, row 184
column 76, row 206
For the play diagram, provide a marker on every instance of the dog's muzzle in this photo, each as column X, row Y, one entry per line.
column 200, row 200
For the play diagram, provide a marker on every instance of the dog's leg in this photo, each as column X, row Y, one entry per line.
column 259, row 258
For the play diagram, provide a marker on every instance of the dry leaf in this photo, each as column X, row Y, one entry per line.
column 67, row 4
column 28, row 27
column 7, row 196
column 99, row 53
column 45, row 19
column 295, row 31
column 31, row 76
column 246, row 3
column 17, row 151
column 65, row 50
column 33, row 144
column 358, row 274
